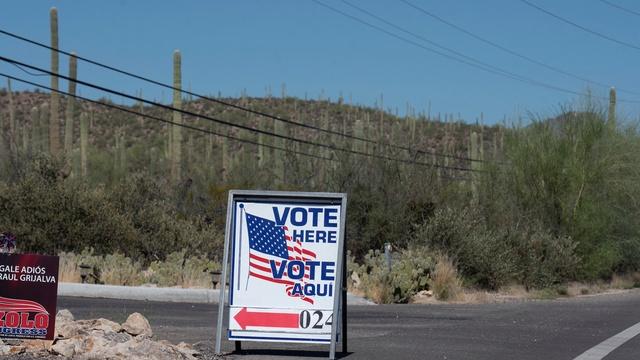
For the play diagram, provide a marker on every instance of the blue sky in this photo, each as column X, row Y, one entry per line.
column 230, row 46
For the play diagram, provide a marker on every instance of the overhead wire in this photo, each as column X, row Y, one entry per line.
column 152, row 117
column 509, row 51
column 227, row 123
column 583, row 28
column 29, row 72
column 194, row 128
column 620, row 7
column 474, row 62
column 235, row 106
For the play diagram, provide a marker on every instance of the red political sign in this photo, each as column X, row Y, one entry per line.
column 28, row 295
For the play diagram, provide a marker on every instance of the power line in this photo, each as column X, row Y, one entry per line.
column 225, row 103
column 194, row 128
column 619, row 7
column 189, row 127
column 509, row 51
column 474, row 63
column 583, row 28
column 29, row 72
column 227, row 123
column 457, row 53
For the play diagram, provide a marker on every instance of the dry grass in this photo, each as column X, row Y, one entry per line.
column 379, row 293
column 68, row 270
column 186, row 272
column 515, row 292
column 120, row 270
column 117, row 269
column 625, row 281
column 445, row 282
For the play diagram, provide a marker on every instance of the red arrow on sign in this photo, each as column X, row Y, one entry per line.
column 245, row 318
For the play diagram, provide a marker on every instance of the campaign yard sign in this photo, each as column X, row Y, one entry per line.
column 28, row 295
column 286, row 266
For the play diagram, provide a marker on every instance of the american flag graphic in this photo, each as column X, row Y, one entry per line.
column 267, row 242
column 19, row 305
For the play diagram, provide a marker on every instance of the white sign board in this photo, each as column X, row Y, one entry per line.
column 286, row 266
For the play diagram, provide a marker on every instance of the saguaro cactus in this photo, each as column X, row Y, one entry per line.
column 358, row 131
column 140, row 106
column 12, row 111
column 279, row 168
column 122, row 153
column 611, row 118
column 495, row 144
column 54, row 121
column 367, row 131
column 44, row 127
column 207, row 155
column 261, row 150
column 116, row 154
column 176, row 154
column 226, row 162
column 12, row 139
column 84, row 143
column 190, row 151
column 381, row 128
column 71, row 102
column 436, row 169
column 119, row 153
column 474, row 154
column 412, row 126
column 35, row 129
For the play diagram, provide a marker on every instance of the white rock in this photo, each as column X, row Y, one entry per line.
column 144, row 348
column 104, row 339
column 67, row 347
column 99, row 324
column 187, row 349
column 64, row 315
column 11, row 349
column 137, row 324
column 34, row 346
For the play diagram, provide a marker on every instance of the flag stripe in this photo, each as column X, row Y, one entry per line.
column 270, row 243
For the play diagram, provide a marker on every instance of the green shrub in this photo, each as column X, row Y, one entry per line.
column 546, row 260
column 50, row 214
column 575, row 177
column 482, row 256
column 491, row 259
column 409, row 274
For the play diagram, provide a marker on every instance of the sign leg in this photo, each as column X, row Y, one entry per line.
column 344, row 304
column 223, row 279
column 238, row 346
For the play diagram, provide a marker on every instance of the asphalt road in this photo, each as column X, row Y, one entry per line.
column 555, row 329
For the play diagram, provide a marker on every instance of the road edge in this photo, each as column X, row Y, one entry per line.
column 144, row 293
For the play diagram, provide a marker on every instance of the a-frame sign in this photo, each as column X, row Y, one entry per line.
column 284, row 259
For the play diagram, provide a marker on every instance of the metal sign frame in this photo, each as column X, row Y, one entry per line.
column 339, row 299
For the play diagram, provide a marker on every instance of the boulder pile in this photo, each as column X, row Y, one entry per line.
column 100, row 339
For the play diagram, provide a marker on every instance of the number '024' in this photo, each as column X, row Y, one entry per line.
column 314, row 319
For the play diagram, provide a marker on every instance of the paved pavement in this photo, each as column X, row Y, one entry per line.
column 556, row 329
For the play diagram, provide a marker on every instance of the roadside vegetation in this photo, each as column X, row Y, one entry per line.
column 551, row 203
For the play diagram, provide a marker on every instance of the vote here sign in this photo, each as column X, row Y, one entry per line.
column 284, row 268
